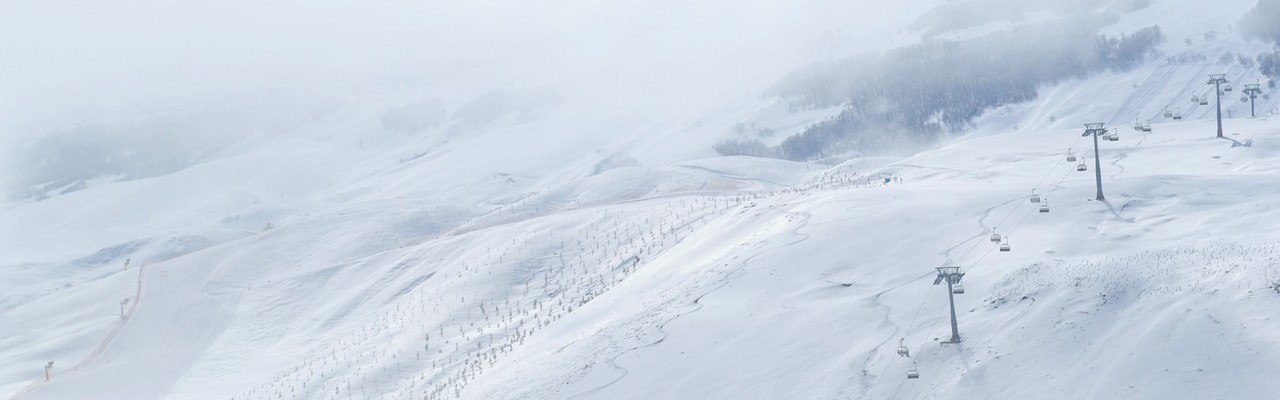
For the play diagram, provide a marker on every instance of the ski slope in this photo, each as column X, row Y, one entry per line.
column 713, row 292
column 571, row 264
column 1161, row 292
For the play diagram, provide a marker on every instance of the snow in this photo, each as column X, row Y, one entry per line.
column 794, row 290
column 614, row 256
column 773, row 318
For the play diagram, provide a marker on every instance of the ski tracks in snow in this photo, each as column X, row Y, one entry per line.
column 1147, row 91
column 1116, row 163
column 697, row 305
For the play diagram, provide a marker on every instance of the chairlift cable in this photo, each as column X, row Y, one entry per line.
column 932, row 327
column 905, row 333
column 877, row 381
column 974, row 264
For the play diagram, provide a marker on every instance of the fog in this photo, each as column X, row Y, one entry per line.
column 130, row 71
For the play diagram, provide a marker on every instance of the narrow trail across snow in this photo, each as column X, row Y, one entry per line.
column 97, row 351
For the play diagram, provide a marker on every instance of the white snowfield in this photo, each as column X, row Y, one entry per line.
column 522, row 260
column 705, row 285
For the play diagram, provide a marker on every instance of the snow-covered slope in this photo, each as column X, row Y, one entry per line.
column 597, row 254
column 1161, row 292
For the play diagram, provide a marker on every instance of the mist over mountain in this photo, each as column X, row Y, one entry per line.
column 903, row 101
column 575, row 199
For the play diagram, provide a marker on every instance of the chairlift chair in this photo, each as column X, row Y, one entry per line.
column 995, row 237
column 1167, row 113
column 1244, row 99
column 1177, row 115
column 958, row 289
column 1071, row 157
column 902, row 349
column 1226, row 87
column 1004, row 246
column 1204, row 101
column 913, row 373
column 1082, row 167
column 1035, row 198
column 1044, row 207
column 1195, row 98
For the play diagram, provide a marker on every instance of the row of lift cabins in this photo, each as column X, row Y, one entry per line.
column 952, row 275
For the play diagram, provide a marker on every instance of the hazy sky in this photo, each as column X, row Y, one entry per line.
column 72, row 63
